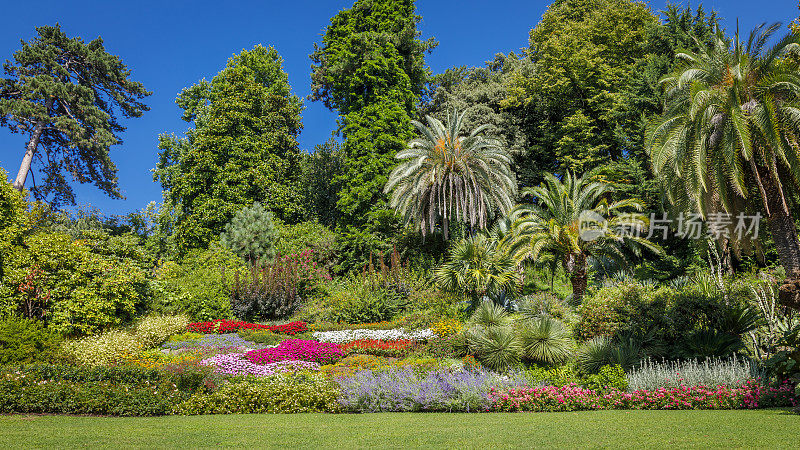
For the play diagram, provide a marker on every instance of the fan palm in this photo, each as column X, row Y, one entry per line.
column 727, row 141
column 479, row 266
column 444, row 176
column 572, row 221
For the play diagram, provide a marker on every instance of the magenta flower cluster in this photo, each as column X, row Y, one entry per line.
column 236, row 364
column 749, row 395
column 297, row 350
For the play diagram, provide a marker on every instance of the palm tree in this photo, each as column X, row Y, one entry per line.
column 572, row 221
column 728, row 140
column 444, row 176
column 479, row 266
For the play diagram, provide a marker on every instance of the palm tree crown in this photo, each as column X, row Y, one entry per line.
column 444, row 176
column 573, row 220
column 729, row 132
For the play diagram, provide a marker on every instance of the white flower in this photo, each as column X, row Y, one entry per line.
column 343, row 336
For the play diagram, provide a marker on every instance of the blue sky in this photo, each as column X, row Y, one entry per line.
column 172, row 44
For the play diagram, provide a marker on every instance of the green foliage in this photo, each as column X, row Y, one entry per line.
column 547, row 230
column 444, row 176
column 198, row 285
column 607, row 378
column 117, row 346
column 264, row 337
column 602, row 350
column 370, row 68
column 296, row 238
column 251, row 234
column 545, row 341
column 119, row 391
column 546, row 304
column 363, row 301
column 65, row 95
column 479, row 266
column 321, row 178
column 721, row 145
column 75, row 290
column 24, row 341
column 13, row 215
column 286, row 393
column 243, row 148
column 586, row 52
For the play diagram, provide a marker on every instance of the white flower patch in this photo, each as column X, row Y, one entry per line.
column 343, row 336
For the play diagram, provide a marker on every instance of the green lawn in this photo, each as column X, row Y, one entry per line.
column 763, row 428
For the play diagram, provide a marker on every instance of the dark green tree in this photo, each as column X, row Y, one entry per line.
column 243, row 148
column 370, row 68
column 251, row 234
column 321, row 181
column 65, row 94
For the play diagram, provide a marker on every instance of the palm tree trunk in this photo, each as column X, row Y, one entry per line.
column 784, row 234
column 575, row 266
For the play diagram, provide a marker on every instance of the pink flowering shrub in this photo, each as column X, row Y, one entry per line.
column 297, row 350
column 749, row 395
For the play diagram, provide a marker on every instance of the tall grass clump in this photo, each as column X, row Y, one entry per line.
column 709, row 372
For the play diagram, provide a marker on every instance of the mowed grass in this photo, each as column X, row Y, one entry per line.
column 663, row 429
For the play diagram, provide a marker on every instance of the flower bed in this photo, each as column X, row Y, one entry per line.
column 404, row 389
column 343, row 336
column 238, row 364
column 232, row 326
column 749, row 395
column 297, row 350
column 377, row 347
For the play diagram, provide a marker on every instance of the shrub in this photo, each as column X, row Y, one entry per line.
column 603, row 350
column 120, row 391
column 26, row 341
column 359, row 302
column 546, row 304
column 106, row 398
column 232, row 326
column 709, row 372
column 198, row 285
column 274, row 291
column 250, row 234
column 297, row 350
column 117, row 346
column 154, row 330
column 545, row 341
column 78, row 291
column 311, row 237
column 287, row 393
column 607, row 378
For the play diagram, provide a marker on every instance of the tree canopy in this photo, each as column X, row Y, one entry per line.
column 243, row 148
column 64, row 94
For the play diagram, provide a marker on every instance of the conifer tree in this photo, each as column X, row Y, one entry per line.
column 63, row 93
column 251, row 234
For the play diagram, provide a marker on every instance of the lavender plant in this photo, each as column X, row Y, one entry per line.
column 436, row 390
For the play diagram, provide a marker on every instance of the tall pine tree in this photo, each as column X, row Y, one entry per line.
column 63, row 93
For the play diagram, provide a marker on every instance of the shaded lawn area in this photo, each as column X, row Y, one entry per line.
column 760, row 428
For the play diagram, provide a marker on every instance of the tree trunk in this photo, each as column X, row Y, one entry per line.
column 25, row 167
column 784, row 234
column 575, row 266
